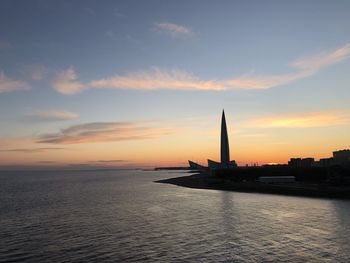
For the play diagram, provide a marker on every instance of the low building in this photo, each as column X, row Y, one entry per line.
column 301, row 162
column 295, row 162
column 307, row 162
column 325, row 162
column 341, row 157
column 196, row 166
column 216, row 165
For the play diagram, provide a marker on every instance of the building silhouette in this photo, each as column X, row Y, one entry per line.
column 341, row 157
column 224, row 151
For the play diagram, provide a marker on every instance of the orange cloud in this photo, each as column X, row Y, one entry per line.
column 32, row 150
column 316, row 62
column 264, row 82
column 156, row 79
column 67, row 83
column 302, row 120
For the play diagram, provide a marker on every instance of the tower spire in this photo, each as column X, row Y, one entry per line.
column 225, row 150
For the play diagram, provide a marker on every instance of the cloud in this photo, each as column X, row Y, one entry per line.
column 32, row 150
column 49, row 116
column 157, row 78
column 302, row 120
column 8, row 85
column 263, row 82
column 66, row 82
column 316, row 62
column 110, row 161
column 173, row 30
column 304, row 67
column 104, row 132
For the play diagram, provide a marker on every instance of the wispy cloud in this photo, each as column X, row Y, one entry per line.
column 32, row 150
column 50, row 116
column 110, row 161
column 316, row 62
column 66, row 82
column 302, row 120
column 8, row 85
column 103, row 132
column 250, row 81
column 304, row 67
column 172, row 29
column 48, row 162
column 157, row 78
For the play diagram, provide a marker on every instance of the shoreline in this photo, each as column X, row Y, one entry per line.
column 206, row 181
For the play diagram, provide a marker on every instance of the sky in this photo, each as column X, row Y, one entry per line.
column 143, row 83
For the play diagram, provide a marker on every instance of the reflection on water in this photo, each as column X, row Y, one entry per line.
column 124, row 216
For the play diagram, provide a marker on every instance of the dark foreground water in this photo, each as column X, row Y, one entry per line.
column 122, row 216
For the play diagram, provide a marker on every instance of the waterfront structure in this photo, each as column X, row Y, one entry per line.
column 196, row 166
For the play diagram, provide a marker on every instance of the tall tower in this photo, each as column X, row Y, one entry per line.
column 225, row 149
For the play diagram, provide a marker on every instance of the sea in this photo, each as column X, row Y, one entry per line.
column 124, row 216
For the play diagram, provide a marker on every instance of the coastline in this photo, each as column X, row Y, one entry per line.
column 206, row 181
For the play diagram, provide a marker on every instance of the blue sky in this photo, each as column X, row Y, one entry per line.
column 68, row 63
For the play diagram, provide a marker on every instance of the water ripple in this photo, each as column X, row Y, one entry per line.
column 122, row 216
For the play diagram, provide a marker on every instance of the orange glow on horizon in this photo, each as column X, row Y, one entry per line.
column 160, row 145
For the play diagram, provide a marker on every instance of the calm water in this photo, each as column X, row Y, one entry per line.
column 123, row 216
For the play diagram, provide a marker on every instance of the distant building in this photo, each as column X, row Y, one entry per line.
column 301, row 162
column 224, row 149
column 295, row 162
column 307, row 162
column 341, row 157
column 216, row 165
column 225, row 161
column 325, row 162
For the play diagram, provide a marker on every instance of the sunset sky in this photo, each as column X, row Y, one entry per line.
column 143, row 83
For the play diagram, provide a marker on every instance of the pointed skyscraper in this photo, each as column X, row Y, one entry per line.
column 225, row 149
column 225, row 162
